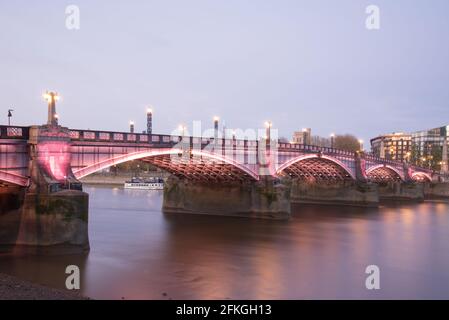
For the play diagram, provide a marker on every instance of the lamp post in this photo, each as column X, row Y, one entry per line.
column 9, row 116
column 332, row 140
column 131, row 126
column 268, row 125
column 149, row 121
column 51, row 98
column 182, row 129
column 423, row 160
column 361, row 144
column 407, row 157
column 216, row 120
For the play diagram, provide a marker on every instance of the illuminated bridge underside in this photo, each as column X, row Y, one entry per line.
column 201, row 169
column 7, row 178
column 421, row 177
column 194, row 165
column 317, row 170
column 383, row 174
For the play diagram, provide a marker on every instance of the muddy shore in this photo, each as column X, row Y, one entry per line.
column 12, row 288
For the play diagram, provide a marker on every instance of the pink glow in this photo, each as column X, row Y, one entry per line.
column 312, row 156
column 14, row 178
column 154, row 153
column 421, row 176
column 54, row 157
column 371, row 169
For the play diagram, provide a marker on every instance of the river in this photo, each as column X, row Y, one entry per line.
column 137, row 252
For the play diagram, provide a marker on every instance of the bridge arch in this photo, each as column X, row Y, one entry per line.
column 316, row 167
column 195, row 164
column 421, row 177
column 14, row 179
column 384, row 173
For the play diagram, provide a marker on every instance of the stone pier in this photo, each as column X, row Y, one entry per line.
column 59, row 218
column 436, row 190
column 266, row 199
column 11, row 200
column 401, row 191
column 52, row 211
column 350, row 193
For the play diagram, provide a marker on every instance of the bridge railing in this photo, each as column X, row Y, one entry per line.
column 314, row 149
column 14, row 132
column 371, row 157
column 154, row 139
column 160, row 139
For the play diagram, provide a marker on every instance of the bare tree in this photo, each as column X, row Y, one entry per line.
column 347, row 142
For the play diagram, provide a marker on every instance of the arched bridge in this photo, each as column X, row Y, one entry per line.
column 66, row 154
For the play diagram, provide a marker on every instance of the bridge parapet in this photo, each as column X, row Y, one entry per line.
column 14, row 132
column 264, row 157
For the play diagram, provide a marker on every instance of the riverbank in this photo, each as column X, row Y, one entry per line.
column 112, row 179
column 12, row 288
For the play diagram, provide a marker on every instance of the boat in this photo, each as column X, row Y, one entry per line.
column 145, row 184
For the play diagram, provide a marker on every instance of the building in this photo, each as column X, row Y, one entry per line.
column 305, row 137
column 427, row 148
column 302, row 137
column 394, row 146
column 430, row 148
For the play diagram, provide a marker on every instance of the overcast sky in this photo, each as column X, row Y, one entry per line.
column 297, row 63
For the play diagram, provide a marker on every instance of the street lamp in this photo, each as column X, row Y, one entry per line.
column 407, row 156
column 9, row 116
column 131, row 126
column 361, row 144
column 51, row 97
column 149, row 120
column 332, row 140
column 216, row 120
column 182, row 129
column 268, row 125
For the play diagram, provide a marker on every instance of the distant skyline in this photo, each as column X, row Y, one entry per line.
column 296, row 63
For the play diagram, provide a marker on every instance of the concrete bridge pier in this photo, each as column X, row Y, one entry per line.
column 436, row 190
column 401, row 191
column 355, row 191
column 53, row 209
column 268, row 198
column 348, row 193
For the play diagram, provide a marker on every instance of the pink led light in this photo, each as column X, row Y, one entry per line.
column 54, row 157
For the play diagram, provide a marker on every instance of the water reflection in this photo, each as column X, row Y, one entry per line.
column 322, row 252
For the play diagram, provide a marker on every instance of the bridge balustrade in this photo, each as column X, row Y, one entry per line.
column 14, row 132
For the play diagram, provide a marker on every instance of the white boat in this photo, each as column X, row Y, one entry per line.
column 145, row 184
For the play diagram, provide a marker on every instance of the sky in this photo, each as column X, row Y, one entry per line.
column 296, row 63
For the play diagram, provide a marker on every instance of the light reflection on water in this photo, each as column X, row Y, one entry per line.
column 322, row 252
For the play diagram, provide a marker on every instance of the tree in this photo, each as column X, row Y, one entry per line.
column 436, row 156
column 415, row 154
column 347, row 142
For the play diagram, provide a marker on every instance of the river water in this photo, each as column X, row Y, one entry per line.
column 137, row 252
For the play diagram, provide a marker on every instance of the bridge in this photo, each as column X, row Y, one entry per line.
column 73, row 154
column 43, row 165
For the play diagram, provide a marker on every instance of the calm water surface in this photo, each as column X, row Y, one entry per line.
column 137, row 252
